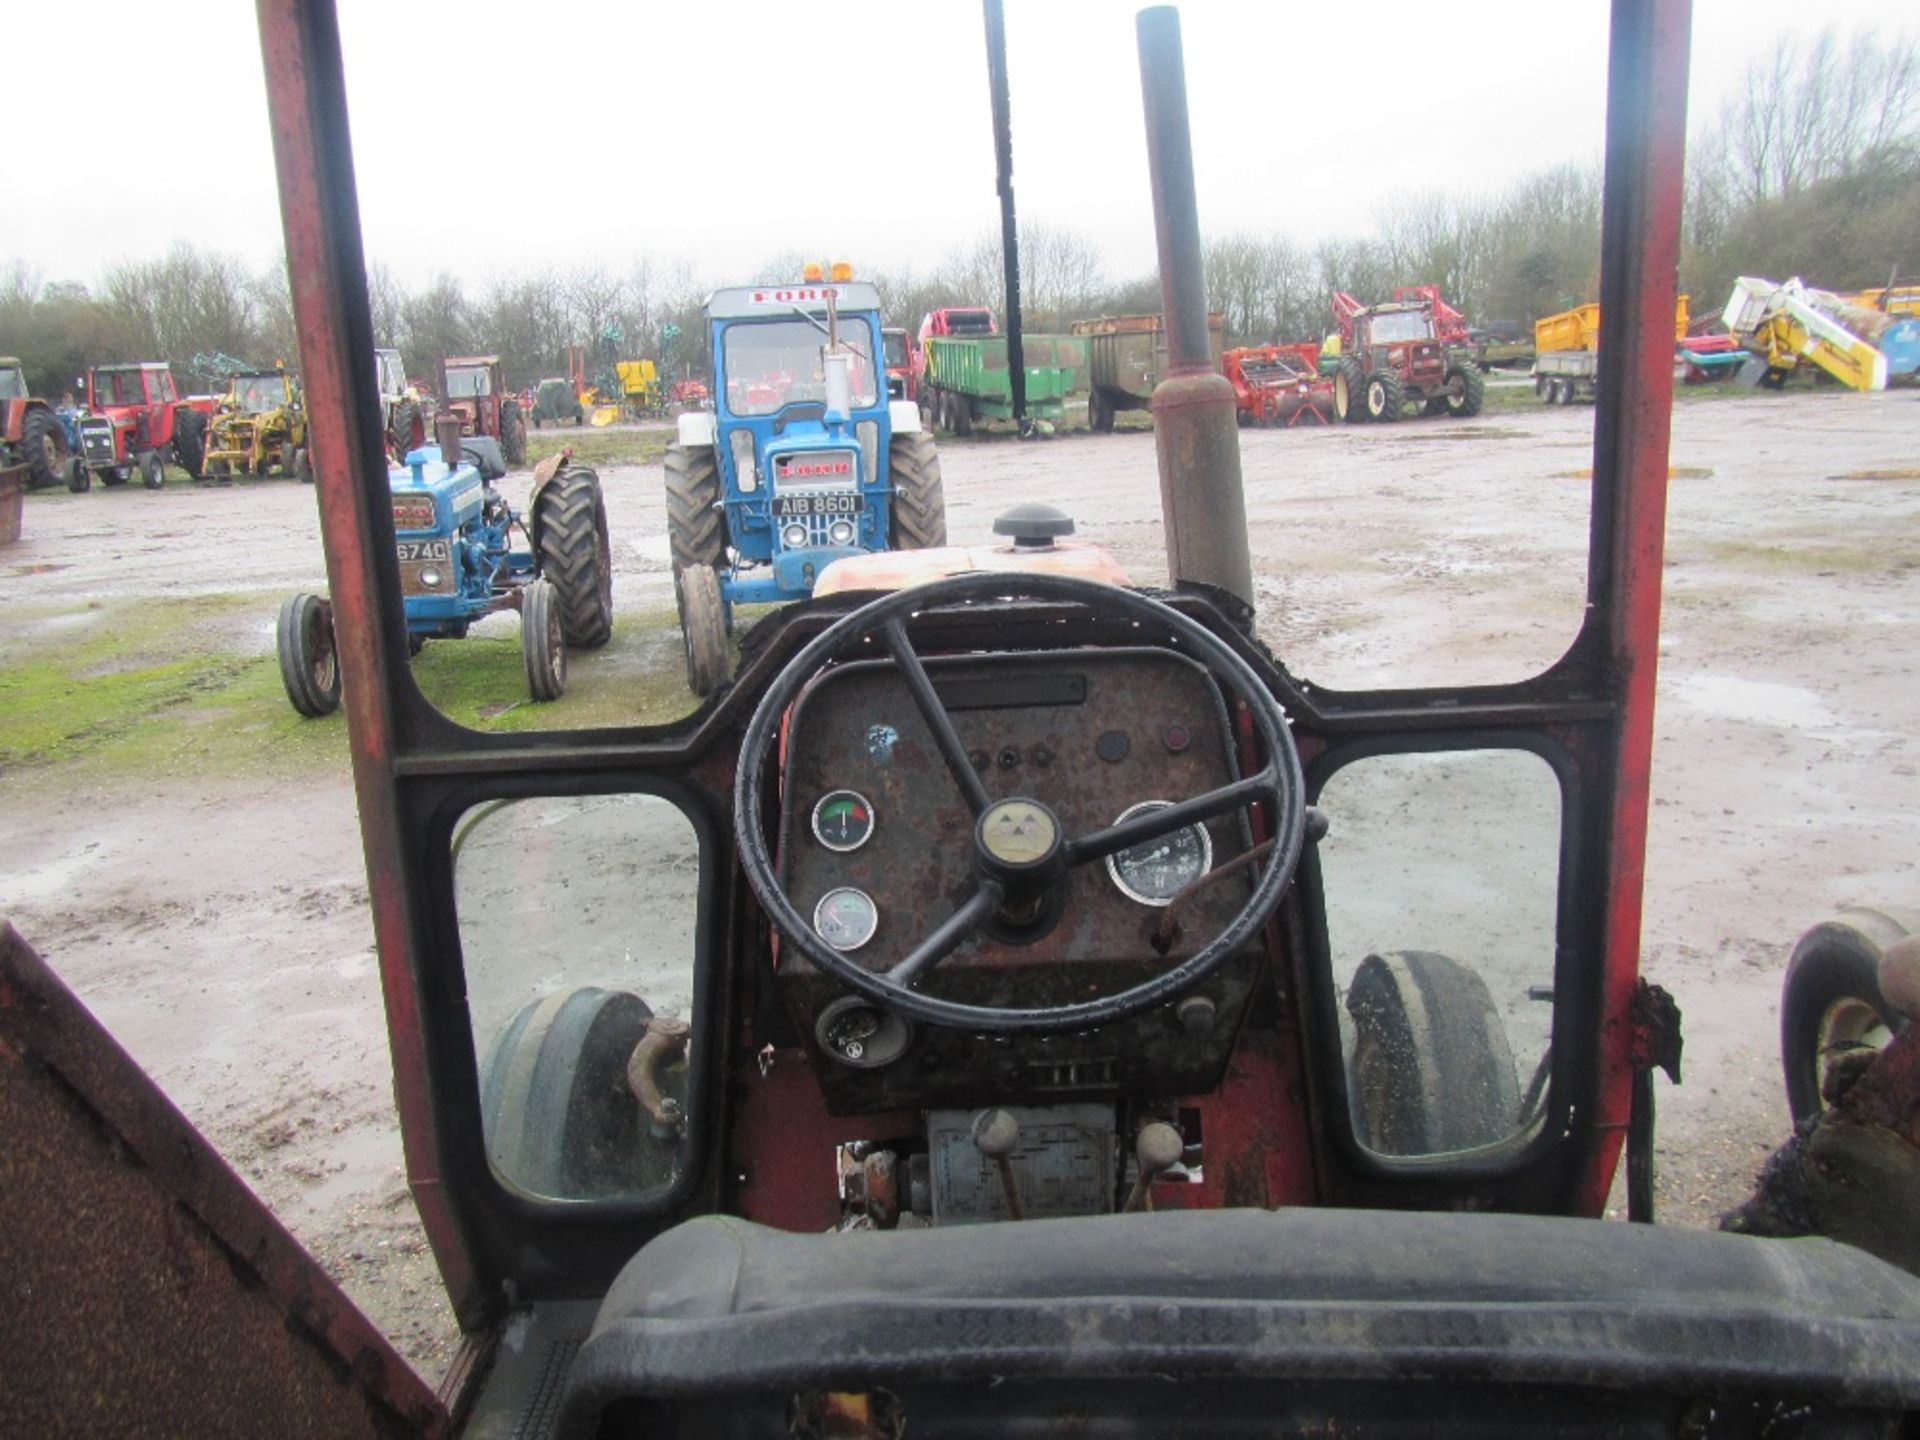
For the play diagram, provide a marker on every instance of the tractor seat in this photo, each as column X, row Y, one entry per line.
column 1315, row 1307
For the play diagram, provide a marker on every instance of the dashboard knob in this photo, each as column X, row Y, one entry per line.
column 1033, row 526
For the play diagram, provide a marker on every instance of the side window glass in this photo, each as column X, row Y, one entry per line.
column 1440, row 875
column 578, row 926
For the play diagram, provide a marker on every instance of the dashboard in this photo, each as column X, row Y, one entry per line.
column 876, row 845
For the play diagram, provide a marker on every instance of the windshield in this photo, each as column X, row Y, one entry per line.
column 1395, row 326
column 13, row 383
column 118, row 387
column 467, row 381
column 257, row 393
column 894, row 344
column 768, row 364
column 393, row 373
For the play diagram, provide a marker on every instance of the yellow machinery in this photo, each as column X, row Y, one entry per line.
column 259, row 426
column 1579, row 328
column 1566, row 350
column 1785, row 324
column 1892, row 300
column 640, row 387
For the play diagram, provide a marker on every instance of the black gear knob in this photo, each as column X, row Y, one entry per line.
column 1033, row 526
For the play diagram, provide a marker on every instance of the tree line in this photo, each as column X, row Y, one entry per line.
column 1812, row 169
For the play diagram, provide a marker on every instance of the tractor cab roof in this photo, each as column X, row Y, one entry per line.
column 133, row 365
column 453, row 360
column 771, row 302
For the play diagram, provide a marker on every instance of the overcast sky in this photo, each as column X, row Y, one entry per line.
column 726, row 133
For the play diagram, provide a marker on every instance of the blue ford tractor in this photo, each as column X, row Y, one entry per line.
column 454, row 533
column 802, row 460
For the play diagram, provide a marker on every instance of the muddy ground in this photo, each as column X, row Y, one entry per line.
column 190, row 862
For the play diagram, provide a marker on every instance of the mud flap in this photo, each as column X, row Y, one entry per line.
column 149, row 1290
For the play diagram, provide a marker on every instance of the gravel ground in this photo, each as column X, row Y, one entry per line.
column 218, row 924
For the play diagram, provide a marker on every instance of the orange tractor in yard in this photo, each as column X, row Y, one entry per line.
column 1015, row 1004
column 473, row 387
column 1408, row 356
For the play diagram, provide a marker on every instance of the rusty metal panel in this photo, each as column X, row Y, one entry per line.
column 149, row 1292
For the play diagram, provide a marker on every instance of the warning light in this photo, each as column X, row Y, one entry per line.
column 812, row 273
column 842, row 272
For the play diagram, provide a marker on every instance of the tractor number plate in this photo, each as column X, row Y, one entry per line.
column 420, row 551
column 801, row 507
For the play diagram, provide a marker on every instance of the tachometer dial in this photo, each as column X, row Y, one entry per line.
column 1155, row 871
column 843, row 820
column 846, row 918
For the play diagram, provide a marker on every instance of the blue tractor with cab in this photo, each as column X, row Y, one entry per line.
column 454, row 533
column 801, row 461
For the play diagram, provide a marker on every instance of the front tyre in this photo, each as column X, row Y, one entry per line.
column 309, row 665
column 543, row 642
column 576, row 556
column 1386, row 397
column 919, row 520
column 190, row 441
column 1466, row 389
column 79, row 477
column 1349, row 391
column 513, row 435
column 44, row 447
column 153, row 470
column 696, row 528
column 1832, row 1011
column 703, row 629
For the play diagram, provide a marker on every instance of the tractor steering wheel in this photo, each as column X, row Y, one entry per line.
column 1019, row 852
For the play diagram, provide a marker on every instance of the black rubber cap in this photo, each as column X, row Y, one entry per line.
column 1033, row 524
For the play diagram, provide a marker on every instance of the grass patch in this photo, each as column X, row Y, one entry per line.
column 600, row 447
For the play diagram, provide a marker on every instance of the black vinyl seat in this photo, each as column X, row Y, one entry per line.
column 720, row 1307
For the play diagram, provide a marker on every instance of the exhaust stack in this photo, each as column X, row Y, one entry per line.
column 1195, row 434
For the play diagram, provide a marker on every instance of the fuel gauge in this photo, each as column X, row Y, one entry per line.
column 843, row 820
column 846, row 918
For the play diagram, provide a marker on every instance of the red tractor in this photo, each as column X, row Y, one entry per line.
column 1401, row 354
column 475, row 390
column 1277, row 384
column 902, row 353
column 137, row 419
column 30, row 431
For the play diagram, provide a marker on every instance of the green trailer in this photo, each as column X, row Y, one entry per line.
column 1126, row 357
column 967, row 378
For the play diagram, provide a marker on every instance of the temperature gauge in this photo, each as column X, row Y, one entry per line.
column 846, row 918
column 1154, row 871
column 843, row 820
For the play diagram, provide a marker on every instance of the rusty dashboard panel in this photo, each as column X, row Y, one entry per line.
column 876, row 843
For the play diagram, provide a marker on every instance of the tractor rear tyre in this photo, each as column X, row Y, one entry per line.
column 919, row 500
column 1099, row 412
column 44, row 447
column 543, row 641
column 703, row 629
column 576, row 557
column 696, row 526
column 405, row 417
column 1466, row 389
column 190, row 441
column 1832, row 1012
column 79, row 477
column 513, row 435
column 309, row 665
column 153, row 470
column 1349, row 391
column 960, row 415
column 1385, row 397
column 555, row 1109
column 1430, row 1071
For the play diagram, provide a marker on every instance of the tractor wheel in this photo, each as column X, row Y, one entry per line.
column 415, row 644
column 309, row 666
column 696, row 526
column 703, row 629
column 557, row 1115
column 406, row 418
column 576, row 558
column 113, row 476
column 1385, row 398
column 1832, row 1012
column 189, row 441
column 1466, row 389
column 1349, row 391
column 1430, row 1071
column 919, row 500
column 153, row 470
column 543, row 641
column 579, row 415
column 44, row 447
column 1099, row 413
column 962, row 416
column 513, row 435
column 79, row 477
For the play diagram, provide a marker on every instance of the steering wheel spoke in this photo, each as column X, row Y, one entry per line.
column 954, row 930
column 894, row 634
column 1152, row 824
